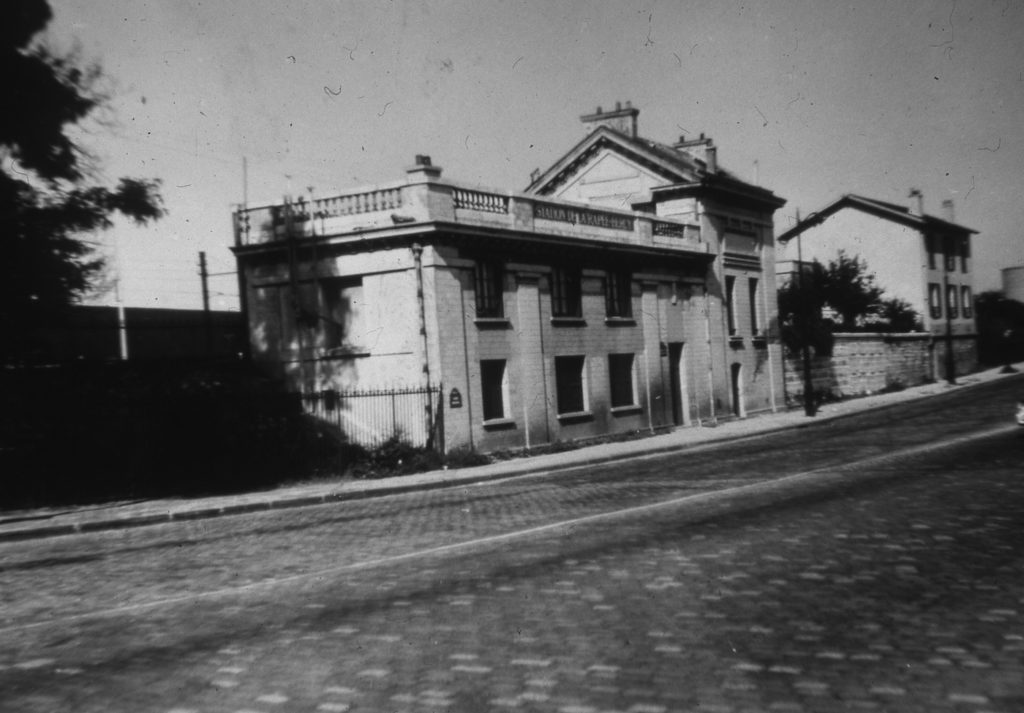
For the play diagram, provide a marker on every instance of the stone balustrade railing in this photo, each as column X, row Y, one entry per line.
column 355, row 203
column 683, row 231
column 420, row 202
column 485, row 202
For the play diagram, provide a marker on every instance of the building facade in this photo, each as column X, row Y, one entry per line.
column 553, row 314
column 919, row 258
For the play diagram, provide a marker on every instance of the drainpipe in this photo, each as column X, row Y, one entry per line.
column 293, row 282
column 417, row 256
column 711, row 360
column 767, row 334
column 647, row 385
column 468, row 401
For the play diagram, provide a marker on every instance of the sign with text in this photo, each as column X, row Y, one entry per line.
column 582, row 216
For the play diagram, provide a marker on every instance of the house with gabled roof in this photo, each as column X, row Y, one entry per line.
column 923, row 259
column 630, row 287
column 614, row 166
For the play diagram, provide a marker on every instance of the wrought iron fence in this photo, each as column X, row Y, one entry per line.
column 371, row 417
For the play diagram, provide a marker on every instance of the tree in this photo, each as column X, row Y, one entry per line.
column 850, row 290
column 896, row 315
column 48, row 196
column 801, row 301
column 1000, row 328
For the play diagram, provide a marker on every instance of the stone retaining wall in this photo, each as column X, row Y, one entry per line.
column 872, row 362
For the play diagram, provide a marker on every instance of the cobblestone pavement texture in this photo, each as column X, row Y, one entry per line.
column 903, row 594
column 26, row 524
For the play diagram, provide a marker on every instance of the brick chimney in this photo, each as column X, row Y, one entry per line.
column 948, row 214
column 703, row 149
column 621, row 118
column 916, row 206
column 423, row 168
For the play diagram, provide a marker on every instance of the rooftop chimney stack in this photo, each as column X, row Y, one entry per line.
column 423, row 169
column 703, row 149
column 947, row 211
column 916, row 206
column 622, row 118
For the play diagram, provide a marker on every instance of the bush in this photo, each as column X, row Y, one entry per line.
column 95, row 431
column 395, row 457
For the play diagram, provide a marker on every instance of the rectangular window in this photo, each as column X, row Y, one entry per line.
column 304, row 320
column 342, row 303
column 951, row 250
column 730, row 303
column 932, row 243
column 965, row 253
column 618, row 295
column 571, row 384
column 489, row 278
column 951, row 301
column 935, row 300
column 286, row 310
column 494, row 388
column 755, row 323
column 966, row 301
column 622, row 377
column 565, row 292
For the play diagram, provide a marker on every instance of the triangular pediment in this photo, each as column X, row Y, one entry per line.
column 612, row 169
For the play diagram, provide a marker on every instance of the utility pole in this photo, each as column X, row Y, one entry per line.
column 243, row 300
column 122, row 324
column 950, row 360
column 204, row 276
column 805, row 349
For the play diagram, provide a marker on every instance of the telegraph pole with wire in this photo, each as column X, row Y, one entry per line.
column 204, row 276
column 805, row 348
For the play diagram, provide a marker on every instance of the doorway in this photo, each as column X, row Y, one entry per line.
column 737, row 392
column 678, row 384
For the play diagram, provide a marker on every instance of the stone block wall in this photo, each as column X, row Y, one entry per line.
column 869, row 363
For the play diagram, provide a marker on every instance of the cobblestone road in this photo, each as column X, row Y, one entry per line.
column 904, row 595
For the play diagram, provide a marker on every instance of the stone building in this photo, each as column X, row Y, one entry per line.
column 630, row 287
column 922, row 259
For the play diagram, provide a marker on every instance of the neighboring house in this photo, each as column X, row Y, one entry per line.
column 924, row 260
column 630, row 287
column 1013, row 283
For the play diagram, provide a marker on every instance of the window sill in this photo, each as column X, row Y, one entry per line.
column 760, row 342
column 626, row 410
column 620, row 321
column 568, row 322
column 497, row 424
column 574, row 416
column 736, row 342
column 492, row 322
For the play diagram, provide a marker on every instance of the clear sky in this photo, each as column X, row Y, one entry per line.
column 811, row 99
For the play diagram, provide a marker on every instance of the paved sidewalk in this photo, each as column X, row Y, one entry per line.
column 49, row 522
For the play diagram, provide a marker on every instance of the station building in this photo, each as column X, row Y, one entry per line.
column 630, row 287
